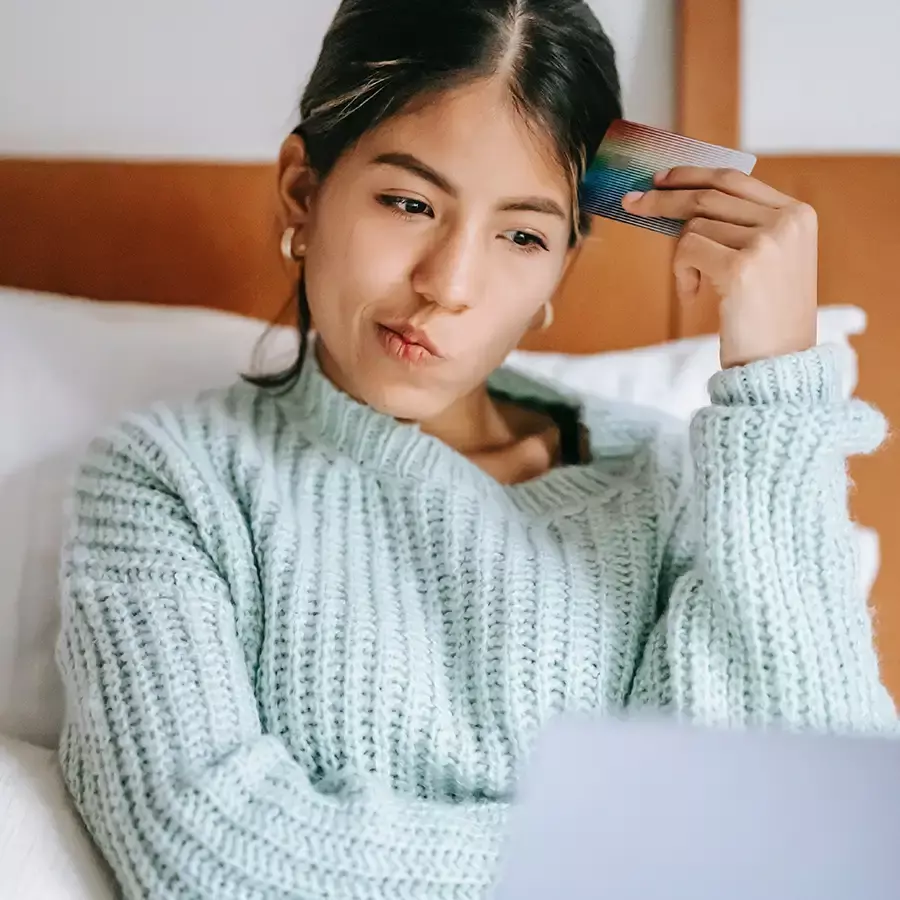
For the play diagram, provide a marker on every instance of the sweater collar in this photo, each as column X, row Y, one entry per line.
column 380, row 443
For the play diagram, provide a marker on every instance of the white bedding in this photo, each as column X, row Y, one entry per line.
column 45, row 854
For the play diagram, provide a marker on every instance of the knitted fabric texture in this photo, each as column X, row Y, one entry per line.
column 307, row 648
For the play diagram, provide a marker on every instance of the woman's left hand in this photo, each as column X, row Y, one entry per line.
column 755, row 246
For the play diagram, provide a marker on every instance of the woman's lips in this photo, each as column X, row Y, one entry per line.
column 405, row 342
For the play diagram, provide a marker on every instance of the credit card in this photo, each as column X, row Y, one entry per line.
column 631, row 154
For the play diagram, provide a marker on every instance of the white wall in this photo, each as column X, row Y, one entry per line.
column 215, row 78
column 185, row 78
column 221, row 78
column 821, row 75
column 643, row 33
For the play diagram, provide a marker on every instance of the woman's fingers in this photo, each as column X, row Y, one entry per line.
column 738, row 237
column 706, row 203
column 697, row 255
column 727, row 181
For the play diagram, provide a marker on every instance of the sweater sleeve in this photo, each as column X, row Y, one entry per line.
column 763, row 621
column 163, row 749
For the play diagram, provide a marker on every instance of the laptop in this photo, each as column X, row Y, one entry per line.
column 653, row 810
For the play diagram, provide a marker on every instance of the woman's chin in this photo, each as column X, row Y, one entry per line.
column 404, row 401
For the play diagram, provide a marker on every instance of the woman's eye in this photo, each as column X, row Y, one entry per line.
column 526, row 240
column 406, row 206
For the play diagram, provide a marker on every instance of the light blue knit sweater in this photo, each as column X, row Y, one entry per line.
column 307, row 648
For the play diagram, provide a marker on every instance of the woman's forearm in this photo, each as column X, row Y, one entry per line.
column 764, row 621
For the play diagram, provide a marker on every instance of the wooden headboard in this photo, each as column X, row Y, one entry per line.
column 206, row 234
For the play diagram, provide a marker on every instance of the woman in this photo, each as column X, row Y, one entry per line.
column 313, row 625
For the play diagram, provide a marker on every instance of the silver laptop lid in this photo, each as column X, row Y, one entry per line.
column 647, row 809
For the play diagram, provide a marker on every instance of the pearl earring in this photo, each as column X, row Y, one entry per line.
column 288, row 251
column 548, row 316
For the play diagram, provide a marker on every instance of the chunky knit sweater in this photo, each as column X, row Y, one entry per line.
column 307, row 648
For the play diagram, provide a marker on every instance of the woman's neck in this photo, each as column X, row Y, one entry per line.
column 473, row 424
column 509, row 442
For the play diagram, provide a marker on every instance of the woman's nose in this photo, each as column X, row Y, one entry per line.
column 451, row 273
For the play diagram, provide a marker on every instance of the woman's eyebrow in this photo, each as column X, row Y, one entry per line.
column 533, row 204
column 414, row 165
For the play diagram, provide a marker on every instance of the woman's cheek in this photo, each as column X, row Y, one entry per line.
column 526, row 284
column 386, row 242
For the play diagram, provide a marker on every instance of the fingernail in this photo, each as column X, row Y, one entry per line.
column 632, row 197
column 661, row 176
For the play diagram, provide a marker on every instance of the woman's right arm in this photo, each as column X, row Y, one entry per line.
column 163, row 750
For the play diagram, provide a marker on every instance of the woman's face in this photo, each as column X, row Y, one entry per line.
column 432, row 246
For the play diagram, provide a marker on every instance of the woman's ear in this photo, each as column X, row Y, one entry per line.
column 296, row 183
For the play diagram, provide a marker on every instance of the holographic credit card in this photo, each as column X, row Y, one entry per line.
column 629, row 157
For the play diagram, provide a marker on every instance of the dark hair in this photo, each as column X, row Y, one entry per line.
column 380, row 55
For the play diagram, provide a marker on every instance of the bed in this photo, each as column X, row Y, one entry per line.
column 207, row 238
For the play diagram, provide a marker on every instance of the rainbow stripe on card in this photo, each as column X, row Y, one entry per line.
column 628, row 158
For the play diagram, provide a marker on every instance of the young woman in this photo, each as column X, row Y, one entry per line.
column 312, row 626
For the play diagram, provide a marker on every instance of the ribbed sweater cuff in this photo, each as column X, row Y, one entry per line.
column 809, row 378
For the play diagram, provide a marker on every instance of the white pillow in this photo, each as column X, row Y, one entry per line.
column 44, row 850
column 68, row 367
column 672, row 377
